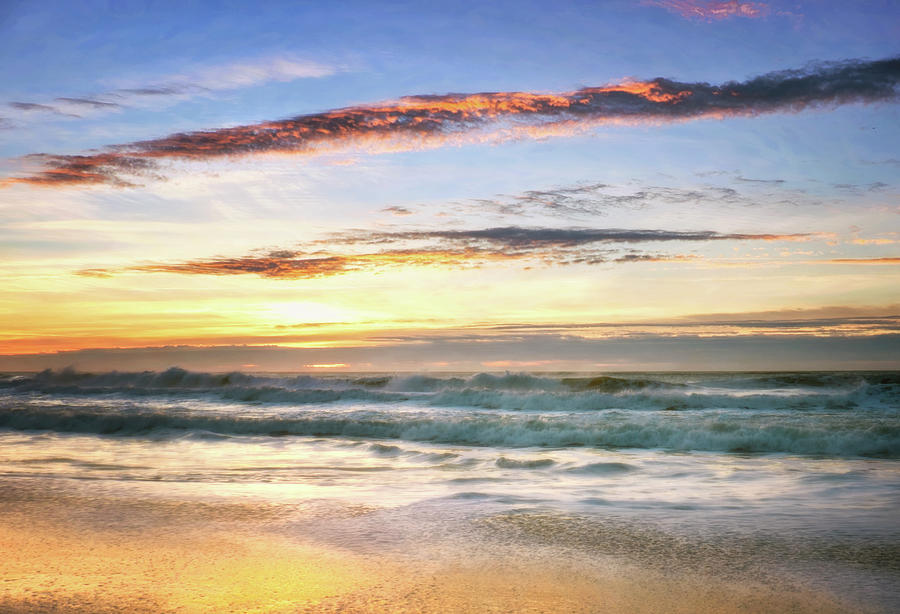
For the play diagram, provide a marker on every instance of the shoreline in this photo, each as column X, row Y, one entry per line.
column 71, row 552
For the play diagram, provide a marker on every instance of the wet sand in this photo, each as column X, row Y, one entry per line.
column 66, row 551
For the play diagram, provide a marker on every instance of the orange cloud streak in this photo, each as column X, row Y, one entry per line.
column 287, row 265
column 435, row 120
column 866, row 261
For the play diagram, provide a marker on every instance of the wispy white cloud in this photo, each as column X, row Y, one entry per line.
column 249, row 73
column 163, row 90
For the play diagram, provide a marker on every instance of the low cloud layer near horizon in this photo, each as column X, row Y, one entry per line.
column 828, row 337
column 783, row 351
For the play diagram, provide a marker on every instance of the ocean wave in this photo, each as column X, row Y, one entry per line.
column 603, row 468
column 654, row 400
column 534, row 463
column 179, row 383
column 824, row 380
column 511, row 391
column 821, row 434
column 177, row 378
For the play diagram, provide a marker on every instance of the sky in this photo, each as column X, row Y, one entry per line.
column 423, row 186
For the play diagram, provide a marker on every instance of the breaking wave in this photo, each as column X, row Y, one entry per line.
column 511, row 391
column 837, row 436
column 832, row 414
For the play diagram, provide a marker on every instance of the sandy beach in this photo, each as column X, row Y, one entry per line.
column 68, row 550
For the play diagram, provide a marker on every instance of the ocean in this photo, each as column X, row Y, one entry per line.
column 786, row 481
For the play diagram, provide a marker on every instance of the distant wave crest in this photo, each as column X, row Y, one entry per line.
column 506, row 391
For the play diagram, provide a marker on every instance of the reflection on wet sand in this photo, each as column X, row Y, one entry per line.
column 67, row 552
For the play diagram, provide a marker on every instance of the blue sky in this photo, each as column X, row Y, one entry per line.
column 95, row 77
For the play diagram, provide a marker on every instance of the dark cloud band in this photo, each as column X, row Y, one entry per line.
column 448, row 248
column 429, row 121
column 519, row 238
